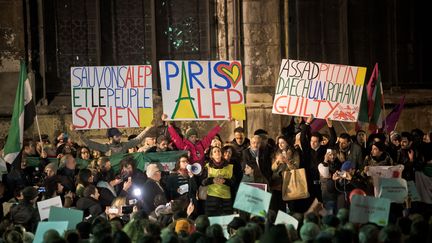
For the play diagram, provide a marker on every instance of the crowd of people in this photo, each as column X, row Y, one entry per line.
column 125, row 204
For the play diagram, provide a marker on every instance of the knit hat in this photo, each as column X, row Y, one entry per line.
column 260, row 132
column 113, row 132
column 29, row 193
column 309, row 231
column 190, row 132
column 346, row 165
column 380, row 146
column 182, row 225
column 53, row 166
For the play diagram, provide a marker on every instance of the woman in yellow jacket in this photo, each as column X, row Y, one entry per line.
column 219, row 179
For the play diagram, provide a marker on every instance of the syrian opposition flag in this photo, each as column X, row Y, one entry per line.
column 375, row 100
column 23, row 115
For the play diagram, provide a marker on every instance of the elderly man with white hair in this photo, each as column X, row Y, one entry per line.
column 153, row 191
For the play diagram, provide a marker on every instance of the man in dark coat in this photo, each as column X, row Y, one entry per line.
column 313, row 154
column 25, row 213
column 153, row 190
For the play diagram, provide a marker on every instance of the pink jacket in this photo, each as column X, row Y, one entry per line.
column 196, row 150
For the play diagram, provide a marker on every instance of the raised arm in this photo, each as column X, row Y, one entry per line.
column 135, row 141
column 333, row 136
column 305, row 134
column 175, row 137
column 89, row 143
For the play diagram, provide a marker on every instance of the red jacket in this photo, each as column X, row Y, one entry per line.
column 196, row 150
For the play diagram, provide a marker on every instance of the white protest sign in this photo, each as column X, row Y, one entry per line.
column 284, row 218
column 202, row 90
column 45, row 205
column 111, row 96
column 324, row 90
column 252, row 200
column 365, row 209
column 412, row 191
column 386, row 171
column 377, row 172
column 395, row 189
column 223, row 221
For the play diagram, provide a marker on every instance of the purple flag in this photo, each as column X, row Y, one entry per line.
column 392, row 118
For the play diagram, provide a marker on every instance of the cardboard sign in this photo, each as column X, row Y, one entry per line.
column 202, row 90
column 252, row 200
column 111, row 96
column 44, row 206
column 223, row 221
column 72, row 216
column 395, row 189
column 324, row 90
column 284, row 218
column 377, row 172
column 365, row 209
column 386, row 171
column 59, row 226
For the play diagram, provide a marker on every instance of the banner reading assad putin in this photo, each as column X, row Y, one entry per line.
column 324, row 90
column 111, row 96
column 202, row 90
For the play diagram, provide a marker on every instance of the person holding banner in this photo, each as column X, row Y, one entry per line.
column 313, row 154
column 218, row 174
column 115, row 145
column 191, row 143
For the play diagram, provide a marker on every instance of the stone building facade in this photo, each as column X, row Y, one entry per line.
column 51, row 36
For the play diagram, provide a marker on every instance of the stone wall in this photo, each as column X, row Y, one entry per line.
column 256, row 40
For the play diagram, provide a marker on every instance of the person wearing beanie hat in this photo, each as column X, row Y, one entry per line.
column 191, row 132
column 191, row 143
column 347, row 166
column 182, row 225
column 378, row 156
column 115, row 145
column 346, row 180
column 25, row 213
column 113, row 132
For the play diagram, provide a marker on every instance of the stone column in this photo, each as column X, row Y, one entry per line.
column 261, row 62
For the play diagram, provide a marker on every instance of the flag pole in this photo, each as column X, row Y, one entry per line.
column 383, row 106
column 343, row 126
column 39, row 132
